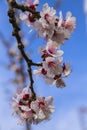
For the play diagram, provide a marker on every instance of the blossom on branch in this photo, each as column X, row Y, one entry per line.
column 52, row 69
column 51, row 26
column 55, row 30
column 34, row 111
column 29, row 18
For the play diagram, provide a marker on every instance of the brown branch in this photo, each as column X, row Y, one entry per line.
column 16, row 33
column 28, row 126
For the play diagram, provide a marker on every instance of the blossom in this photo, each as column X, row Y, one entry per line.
column 52, row 69
column 43, row 108
column 45, row 25
column 55, row 28
column 48, row 13
column 27, row 16
column 50, row 50
column 34, row 111
column 50, row 26
column 70, row 22
column 53, row 72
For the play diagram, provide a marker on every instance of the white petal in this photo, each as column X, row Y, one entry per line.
column 37, row 72
column 68, row 15
column 34, row 106
column 36, row 2
column 66, row 73
column 60, row 59
column 41, row 114
column 49, row 81
column 25, row 90
column 52, row 109
column 60, row 53
column 67, row 33
column 60, row 19
column 49, row 59
column 49, row 100
column 25, row 108
column 60, row 83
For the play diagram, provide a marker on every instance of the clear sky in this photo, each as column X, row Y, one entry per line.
column 68, row 100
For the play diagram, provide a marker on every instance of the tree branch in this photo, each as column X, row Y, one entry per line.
column 16, row 34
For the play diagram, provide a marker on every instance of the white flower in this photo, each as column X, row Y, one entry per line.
column 38, row 71
column 32, row 110
column 43, row 108
column 47, row 12
column 52, row 69
column 29, row 17
column 51, row 48
column 49, row 25
column 70, row 22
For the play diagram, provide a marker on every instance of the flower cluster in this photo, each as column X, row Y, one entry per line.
column 34, row 111
column 52, row 69
column 50, row 26
column 29, row 17
column 55, row 30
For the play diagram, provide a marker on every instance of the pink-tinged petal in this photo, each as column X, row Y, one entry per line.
column 34, row 106
column 25, row 90
column 25, row 108
column 67, row 69
column 60, row 83
column 67, row 34
column 41, row 115
column 58, row 37
column 48, row 100
column 60, row 59
column 29, row 114
column 50, row 59
column 37, row 72
column 60, row 53
column 36, row 2
column 68, row 15
column 60, row 19
column 51, row 50
column 50, row 81
column 51, row 109
column 70, row 22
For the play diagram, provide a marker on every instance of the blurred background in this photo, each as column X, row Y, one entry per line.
column 70, row 102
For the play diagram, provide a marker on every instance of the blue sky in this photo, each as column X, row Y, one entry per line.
column 67, row 101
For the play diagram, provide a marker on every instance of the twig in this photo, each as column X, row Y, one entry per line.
column 16, row 29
